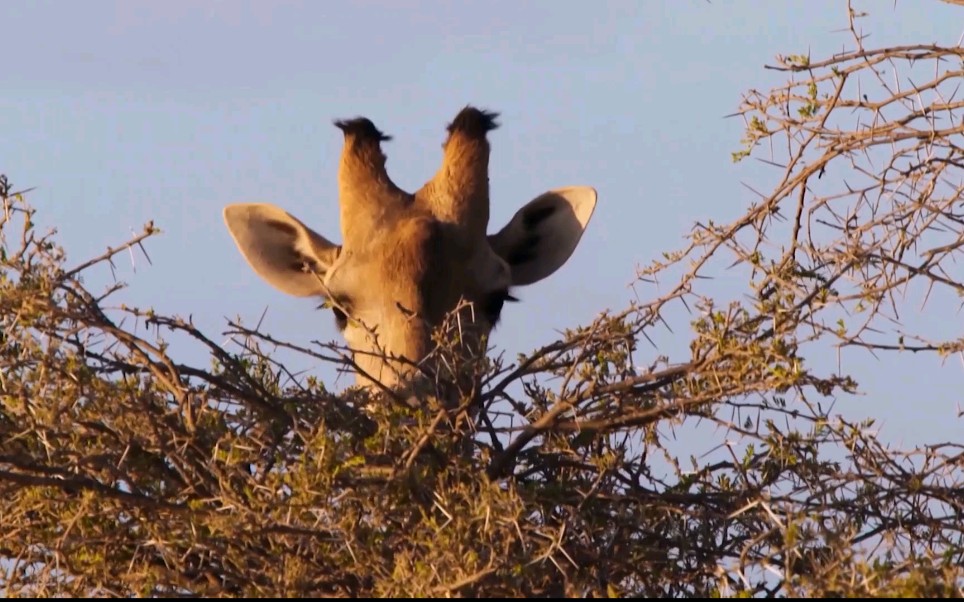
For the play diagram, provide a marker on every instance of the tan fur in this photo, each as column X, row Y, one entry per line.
column 416, row 270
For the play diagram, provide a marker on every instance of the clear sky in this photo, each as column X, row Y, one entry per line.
column 124, row 112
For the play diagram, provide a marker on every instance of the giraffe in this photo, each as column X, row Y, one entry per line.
column 408, row 260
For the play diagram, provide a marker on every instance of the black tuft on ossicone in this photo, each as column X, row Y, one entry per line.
column 473, row 122
column 362, row 128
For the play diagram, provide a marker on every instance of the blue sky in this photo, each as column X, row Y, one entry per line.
column 124, row 112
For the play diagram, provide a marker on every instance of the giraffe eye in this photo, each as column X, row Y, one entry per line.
column 341, row 320
column 492, row 305
column 338, row 307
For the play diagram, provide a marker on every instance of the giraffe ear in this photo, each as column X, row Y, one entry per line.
column 278, row 248
column 542, row 235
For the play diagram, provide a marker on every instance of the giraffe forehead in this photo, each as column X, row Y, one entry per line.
column 419, row 256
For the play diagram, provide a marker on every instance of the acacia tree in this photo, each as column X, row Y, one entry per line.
column 126, row 472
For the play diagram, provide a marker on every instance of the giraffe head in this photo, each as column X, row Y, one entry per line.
column 410, row 261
